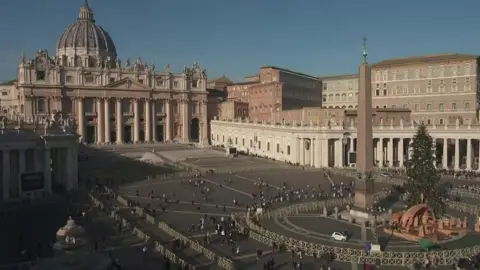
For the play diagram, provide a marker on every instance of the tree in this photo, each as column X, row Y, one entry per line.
column 423, row 182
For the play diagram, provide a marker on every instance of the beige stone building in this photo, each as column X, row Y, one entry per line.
column 9, row 102
column 438, row 88
column 232, row 109
column 219, row 83
column 340, row 91
column 275, row 89
column 111, row 101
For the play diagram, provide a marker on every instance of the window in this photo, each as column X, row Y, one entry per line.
column 288, row 149
column 111, row 80
column 440, row 107
column 243, row 142
column 385, row 76
column 41, row 105
column 417, row 107
column 429, row 72
column 68, row 79
column 384, row 92
column 394, row 76
column 417, row 89
column 467, row 70
column 259, row 145
column 429, row 107
column 417, row 74
column 278, row 148
column 466, row 87
column 454, row 106
column 194, row 83
column 384, row 106
column 140, row 81
column 467, row 106
column 40, row 75
column 454, row 71
column 324, row 98
column 454, row 88
column 441, row 122
column 394, row 106
column 377, row 76
column 89, row 79
column 377, row 92
column 428, row 122
column 268, row 146
column 442, row 71
column 429, row 89
column 405, row 106
column 405, row 90
column 4, row 93
column 405, row 75
column 175, row 84
column 251, row 143
column 325, row 86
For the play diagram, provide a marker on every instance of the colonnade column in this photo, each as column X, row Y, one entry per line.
column 469, row 154
column 99, row 121
column 380, row 152
column 445, row 153
column 107, row 121
column 338, row 153
column 136, row 122
column 457, row 155
column 401, row 149
column 119, row 121
column 390, row 152
column 297, row 150
column 81, row 118
column 168, row 120
column 312, row 152
column 154, row 120
column 6, row 174
column 148, row 122
column 185, row 121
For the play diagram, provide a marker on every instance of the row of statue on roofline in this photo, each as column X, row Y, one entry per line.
column 55, row 120
column 107, row 62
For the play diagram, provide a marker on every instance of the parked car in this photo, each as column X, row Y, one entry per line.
column 338, row 236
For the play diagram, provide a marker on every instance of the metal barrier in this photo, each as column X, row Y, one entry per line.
column 391, row 258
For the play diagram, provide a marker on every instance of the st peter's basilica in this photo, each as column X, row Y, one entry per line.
column 112, row 101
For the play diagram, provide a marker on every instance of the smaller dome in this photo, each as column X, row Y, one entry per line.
column 71, row 229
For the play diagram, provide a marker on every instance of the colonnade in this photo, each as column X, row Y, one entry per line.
column 173, row 128
column 39, row 167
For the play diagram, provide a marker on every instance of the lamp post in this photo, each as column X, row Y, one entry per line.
column 344, row 143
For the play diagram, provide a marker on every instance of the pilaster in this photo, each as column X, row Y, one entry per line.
column 148, row 122
column 136, row 121
column 185, row 120
column 168, row 120
column 107, row 121
column 100, row 121
column 119, row 121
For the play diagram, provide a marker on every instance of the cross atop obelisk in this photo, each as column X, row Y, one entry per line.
column 364, row 185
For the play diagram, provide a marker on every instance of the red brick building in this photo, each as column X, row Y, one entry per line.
column 275, row 89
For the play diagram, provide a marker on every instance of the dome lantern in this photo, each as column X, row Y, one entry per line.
column 86, row 12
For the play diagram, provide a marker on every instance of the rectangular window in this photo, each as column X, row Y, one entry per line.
column 441, row 122
column 417, row 107
column 384, row 92
column 236, row 141
column 40, row 75
column 259, row 145
column 41, row 105
column 405, row 106
column 288, row 150
column 429, row 107
column 467, row 106
column 454, row 106
column 89, row 79
column 111, row 80
column 243, row 142
column 440, row 107
column 377, row 92
column 268, row 146
column 68, row 79
column 175, row 84
column 140, row 81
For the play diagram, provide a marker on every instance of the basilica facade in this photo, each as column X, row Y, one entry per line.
column 112, row 101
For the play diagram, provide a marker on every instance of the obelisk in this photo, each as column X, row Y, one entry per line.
column 364, row 184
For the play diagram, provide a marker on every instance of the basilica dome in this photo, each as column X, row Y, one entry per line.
column 85, row 37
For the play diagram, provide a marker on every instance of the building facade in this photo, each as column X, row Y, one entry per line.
column 275, row 89
column 9, row 101
column 37, row 159
column 320, row 144
column 437, row 89
column 340, row 91
column 111, row 101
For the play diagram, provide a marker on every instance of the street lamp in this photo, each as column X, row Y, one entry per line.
column 344, row 143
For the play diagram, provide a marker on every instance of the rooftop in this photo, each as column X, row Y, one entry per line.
column 291, row 72
column 339, row 77
column 425, row 58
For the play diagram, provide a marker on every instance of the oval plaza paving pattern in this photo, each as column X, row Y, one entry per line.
column 234, row 179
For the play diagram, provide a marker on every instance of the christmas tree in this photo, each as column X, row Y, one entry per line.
column 423, row 183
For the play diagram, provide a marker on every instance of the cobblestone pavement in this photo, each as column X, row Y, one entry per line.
column 180, row 215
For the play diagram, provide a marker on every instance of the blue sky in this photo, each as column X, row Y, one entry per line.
column 317, row 37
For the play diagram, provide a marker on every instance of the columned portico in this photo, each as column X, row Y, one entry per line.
column 455, row 150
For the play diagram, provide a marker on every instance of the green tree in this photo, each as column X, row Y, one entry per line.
column 423, row 178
